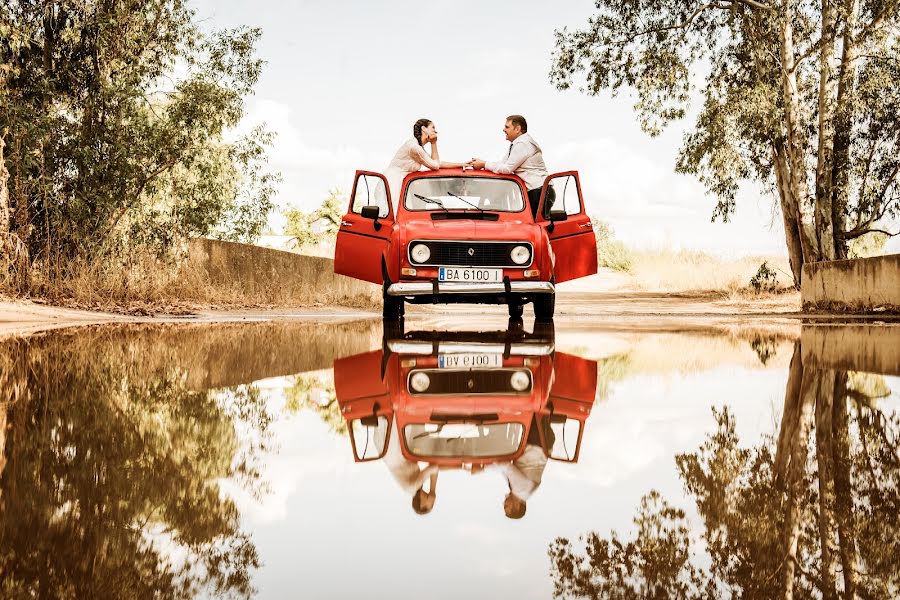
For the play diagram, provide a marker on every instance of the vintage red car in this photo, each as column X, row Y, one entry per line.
column 462, row 399
column 466, row 236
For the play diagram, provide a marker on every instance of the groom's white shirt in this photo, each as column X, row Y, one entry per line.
column 525, row 160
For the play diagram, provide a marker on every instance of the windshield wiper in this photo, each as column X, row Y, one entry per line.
column 427, row 433
column 431, row 200
column 466, row 201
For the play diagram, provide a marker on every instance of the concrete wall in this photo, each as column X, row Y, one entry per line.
column 872, row 348
column 858, row 284
column 277, row 274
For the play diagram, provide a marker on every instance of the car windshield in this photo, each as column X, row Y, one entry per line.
column 464, row 193
column 463, row 440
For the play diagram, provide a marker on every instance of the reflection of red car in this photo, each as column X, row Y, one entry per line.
column 466, row 236
column 459, row 402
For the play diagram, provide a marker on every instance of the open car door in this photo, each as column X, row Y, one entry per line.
column 362, row 395
column 568, row 226
column 561, row 420
column 365, row 230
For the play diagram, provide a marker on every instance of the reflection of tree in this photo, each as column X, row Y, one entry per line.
column 780, row 521
column 315, row 391
column 111, row 487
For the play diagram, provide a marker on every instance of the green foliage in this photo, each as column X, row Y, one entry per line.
column 113, row 467
column 765, row 280
column 310, row 392
column 742, row 505
column 611, row 253
column 870, row 244
column 320, row 225
column 107, row 148
column 659, row 49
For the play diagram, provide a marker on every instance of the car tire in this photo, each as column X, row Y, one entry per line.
column 515, row 309
column 544, row 306
column 393, row 307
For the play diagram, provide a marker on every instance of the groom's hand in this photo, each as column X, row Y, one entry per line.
column 476, row 163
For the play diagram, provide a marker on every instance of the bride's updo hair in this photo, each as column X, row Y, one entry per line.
column 417, row 129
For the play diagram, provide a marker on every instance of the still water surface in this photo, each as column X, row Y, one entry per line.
column 286, row 460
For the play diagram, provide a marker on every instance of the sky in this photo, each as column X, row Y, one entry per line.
column 344, row 82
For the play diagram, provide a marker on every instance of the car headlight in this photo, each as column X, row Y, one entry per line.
column 419, row 382
column 520, row 381
column 420, row 253
column 520, row 255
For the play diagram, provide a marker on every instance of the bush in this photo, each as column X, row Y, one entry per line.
column 611, row 253
column 765, row 280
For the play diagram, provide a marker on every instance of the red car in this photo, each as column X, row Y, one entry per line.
column 466, row 236
column 465, row 399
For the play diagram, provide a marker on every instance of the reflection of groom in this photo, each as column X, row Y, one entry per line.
column 524, row 158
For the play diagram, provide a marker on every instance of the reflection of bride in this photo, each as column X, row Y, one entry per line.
column 411, row 157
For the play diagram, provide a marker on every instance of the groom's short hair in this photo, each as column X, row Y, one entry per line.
column 518, row 120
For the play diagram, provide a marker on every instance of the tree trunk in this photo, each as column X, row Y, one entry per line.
column 796, row 141
column 825, row 385
column 4, row 193
column 795, row 485
column 790, row 214
column 843, row 120
column 824, row 215
column 790, row 417
column 842, row 489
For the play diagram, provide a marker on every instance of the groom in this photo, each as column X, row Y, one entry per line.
column 524, row 158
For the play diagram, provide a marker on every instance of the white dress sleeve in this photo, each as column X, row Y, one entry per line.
column 418, row 154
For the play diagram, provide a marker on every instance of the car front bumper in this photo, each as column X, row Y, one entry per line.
column 427, row 288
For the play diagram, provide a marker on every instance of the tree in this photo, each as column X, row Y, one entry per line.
column 801, row 95
column 113, row 469
column 107, row 149
column 777, row 519
column 320, row 225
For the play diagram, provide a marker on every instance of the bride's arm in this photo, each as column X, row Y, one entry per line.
column 434, row 161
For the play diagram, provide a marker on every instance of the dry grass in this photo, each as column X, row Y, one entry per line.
column 147, row 285
column 669, row 270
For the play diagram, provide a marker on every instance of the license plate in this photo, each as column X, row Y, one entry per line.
column 470, row 275
column 470, row 361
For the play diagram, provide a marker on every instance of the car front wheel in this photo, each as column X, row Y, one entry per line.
column 515, row 309
column 544, row 306
column 392, row 306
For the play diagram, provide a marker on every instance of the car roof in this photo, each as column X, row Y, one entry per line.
column 458, row 172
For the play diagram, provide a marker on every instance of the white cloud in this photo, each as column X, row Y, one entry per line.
column 309, row 171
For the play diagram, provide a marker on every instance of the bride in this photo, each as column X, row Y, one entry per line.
column 411, row 157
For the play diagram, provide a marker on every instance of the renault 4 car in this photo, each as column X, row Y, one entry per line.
column 465, row 399
column 464, row 236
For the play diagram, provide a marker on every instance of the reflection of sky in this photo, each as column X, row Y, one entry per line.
column 334, row 528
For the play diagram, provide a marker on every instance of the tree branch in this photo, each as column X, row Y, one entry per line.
column 755, row 4
column 852, row 235
column 683, row 25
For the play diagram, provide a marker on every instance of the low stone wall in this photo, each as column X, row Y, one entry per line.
column 862, row 284
column 871, row 348
column 276, row 274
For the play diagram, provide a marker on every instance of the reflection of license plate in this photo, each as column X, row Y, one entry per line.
column 470, row 275
column 470, row 361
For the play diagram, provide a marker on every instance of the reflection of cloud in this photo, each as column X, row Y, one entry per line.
column 306, row 450
column 649, row 419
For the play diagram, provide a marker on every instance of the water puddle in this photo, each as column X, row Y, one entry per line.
column 477, row 459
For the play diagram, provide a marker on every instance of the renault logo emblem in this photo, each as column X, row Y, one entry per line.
column 471, row 251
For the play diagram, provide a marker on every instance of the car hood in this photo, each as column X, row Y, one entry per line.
column 464, row 229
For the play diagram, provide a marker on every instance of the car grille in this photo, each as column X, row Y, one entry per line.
column 471, row 382
column 483, row 254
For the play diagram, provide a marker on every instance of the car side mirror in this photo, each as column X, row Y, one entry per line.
column 371, row 212
column 558, row 215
